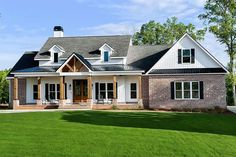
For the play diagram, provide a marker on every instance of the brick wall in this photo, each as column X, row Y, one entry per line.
column 21, row 91
column 160, row 92
column 145, row 91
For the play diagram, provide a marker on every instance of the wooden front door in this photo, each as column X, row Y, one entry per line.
column 80, row 90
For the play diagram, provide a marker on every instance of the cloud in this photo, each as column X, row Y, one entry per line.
column 124, row 28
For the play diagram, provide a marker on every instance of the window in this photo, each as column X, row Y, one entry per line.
column 110, row 90
column 133, row 90
column 186, row 56
column 187, row 90
column 58, row 91
column 52, row 91
column 102, row 91
column 55, row 57
column 35, row 92
column 106, row 56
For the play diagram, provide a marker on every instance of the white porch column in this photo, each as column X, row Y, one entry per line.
column 89, row 84
column 62, row 91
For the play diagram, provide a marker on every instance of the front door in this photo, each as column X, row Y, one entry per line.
column 80, row 90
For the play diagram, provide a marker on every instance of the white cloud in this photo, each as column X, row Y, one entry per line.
column 124, row 28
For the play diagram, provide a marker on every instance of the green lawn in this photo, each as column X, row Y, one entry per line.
column 110, row 134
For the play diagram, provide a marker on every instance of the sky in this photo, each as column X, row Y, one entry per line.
column 25, row 25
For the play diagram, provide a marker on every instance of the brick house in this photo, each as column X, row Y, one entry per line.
column 101, row 71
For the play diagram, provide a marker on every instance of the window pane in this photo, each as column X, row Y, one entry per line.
column 55, row 57
column 178, row 94
column 178, row 86
column 195, row 94
column 186, row 85
column 35, row 95
column 102, row 86
column 186, row 53
column 35, row 88
column 133, row 94
column 110, row 95
column 52, row 87
column 195, row 85
column 52, row 95
column 106, row 56
column 133, row 86
column 186, row 94
column 186, row 59
column 102, row 95
column 110, row 86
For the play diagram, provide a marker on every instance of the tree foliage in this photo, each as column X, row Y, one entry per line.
column 4, row 87
column 220, row 16
column 155, row 33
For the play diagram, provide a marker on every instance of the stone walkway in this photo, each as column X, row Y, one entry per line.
column 232, row 108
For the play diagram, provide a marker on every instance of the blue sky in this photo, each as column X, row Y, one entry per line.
column 26, row 24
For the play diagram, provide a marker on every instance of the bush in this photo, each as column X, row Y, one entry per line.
column 4, row 87
column 230, row 90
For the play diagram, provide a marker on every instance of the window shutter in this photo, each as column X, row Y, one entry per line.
column 179, row 56
column 116, row 90
column 96, row 90
column 46, row 91
column 172, row 88
column 192, row 56
column 65, row 90
column 201, row 90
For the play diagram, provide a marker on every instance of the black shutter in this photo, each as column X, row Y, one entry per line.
column 116, row 91
column 46, row 91
column 172, row 88
column 179, row 56
column 192, row 56
column 201, row 90
column 96, row 90
column 65, row 90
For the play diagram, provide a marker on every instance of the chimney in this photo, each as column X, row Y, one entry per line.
column 58, row 31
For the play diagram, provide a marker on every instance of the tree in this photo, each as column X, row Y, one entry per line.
column 4, row 87
column 155, row 33
column 220, row 16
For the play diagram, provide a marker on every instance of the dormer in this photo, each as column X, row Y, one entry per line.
column 106, row 52
column 55, row 52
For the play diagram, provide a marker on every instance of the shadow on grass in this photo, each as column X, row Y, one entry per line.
column 190, row 122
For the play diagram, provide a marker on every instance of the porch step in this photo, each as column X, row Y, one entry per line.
column 74, row 107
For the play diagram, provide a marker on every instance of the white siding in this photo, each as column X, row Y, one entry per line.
column 170, row 59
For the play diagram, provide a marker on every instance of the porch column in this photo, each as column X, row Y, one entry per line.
column 89, row 84
column 39, row 100
column 62, row 91
column 140, row 99
column 114, row 91
column 16, row 102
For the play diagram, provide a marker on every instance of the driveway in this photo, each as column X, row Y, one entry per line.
column 232, row 108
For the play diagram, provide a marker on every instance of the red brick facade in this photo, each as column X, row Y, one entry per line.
column 158, row 90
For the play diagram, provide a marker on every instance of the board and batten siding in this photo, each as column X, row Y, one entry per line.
column 170, row 59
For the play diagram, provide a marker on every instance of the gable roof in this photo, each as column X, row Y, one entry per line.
column 85, row 46
column 200, row 46
column 26, row 61
column 144, row 57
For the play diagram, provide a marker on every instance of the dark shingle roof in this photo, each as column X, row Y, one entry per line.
column 26, row 61
column 38, row 69
column 144, row 57
column 187, row 71
column 86, row 46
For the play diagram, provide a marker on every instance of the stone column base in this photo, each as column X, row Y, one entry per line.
column 140, row 103
column 62, row 102
column 90, row 103
column 39, row 102
column 114, row 102
column 16, row 104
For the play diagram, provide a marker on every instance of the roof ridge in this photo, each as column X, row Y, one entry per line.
column 88, row 36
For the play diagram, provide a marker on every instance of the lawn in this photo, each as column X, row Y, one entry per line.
column 111, row 134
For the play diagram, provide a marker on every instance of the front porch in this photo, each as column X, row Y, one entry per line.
column 77, row 92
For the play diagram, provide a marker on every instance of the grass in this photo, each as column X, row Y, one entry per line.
column 124, row 134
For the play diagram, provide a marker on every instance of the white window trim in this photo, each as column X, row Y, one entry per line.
column 182, row 90
column 133, row 90
column 56, row 91
column 106, row 90
column 182, row 55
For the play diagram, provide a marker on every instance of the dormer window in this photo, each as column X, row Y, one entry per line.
column 106, row 56
column 55, row 57
column 186, row 56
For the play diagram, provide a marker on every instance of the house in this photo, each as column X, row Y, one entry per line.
column 102, row 71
